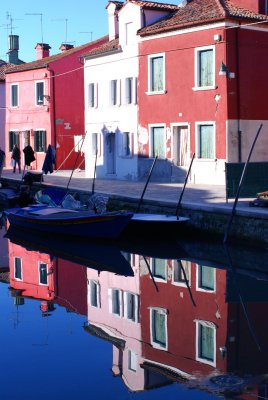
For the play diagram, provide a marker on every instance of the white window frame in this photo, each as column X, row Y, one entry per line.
column 150, row 58
column 92, row 96
column 211, row 325
column 151, row 127
column 41, row 101
column 200, row 288
column 132, row 361
column 111, row 302
column 197, row 139
column 130, row 91
column 155, row 344
column 18, row 279
column 129, row 33
column 11, row 96
column 39, row 275
column 198, row 50
column 115, row 85
column 97, row 285
column 122, row 148
column 95, row 142
column 152, row 265
column 186, row 265
column 135, row 299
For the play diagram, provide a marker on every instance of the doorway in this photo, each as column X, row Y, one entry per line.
column 110, row 153
column 180, row 151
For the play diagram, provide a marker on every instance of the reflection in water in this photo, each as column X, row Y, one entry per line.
column 186, row 312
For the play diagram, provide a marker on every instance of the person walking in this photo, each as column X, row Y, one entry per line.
column 15, row 156
column 2, row 160
column 28, row 156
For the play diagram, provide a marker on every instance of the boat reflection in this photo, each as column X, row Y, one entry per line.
column 193, row 314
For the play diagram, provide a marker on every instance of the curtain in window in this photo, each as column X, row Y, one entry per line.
column 206, row 277
column 157, row 74
column 206, row 141
column 159, row 327
column 206, row 68
column 206, row 342
column 40, row 93
column 158, row 144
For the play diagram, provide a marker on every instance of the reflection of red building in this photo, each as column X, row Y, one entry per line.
column 37, row 275
column 203, row 333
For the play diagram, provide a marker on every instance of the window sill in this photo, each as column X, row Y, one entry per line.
column 204, row 88
column 155, row 93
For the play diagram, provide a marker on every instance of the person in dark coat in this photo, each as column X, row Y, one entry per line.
column 2, row 160
column 50, row 160
column 28, row 155
column 15, row 156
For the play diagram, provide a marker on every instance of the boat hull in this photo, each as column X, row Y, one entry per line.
column 69, row 222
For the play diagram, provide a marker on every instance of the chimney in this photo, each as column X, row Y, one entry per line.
column 13, row 52
column 42, row 50
column 65, row 47
column 113, row 20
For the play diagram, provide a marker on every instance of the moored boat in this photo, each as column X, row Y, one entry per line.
column 62, row 221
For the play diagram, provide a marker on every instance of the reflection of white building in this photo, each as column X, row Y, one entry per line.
column 114, row 315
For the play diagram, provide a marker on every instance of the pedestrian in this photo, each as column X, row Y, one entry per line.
column 2, row 160
column 15, row 156
column 28, row 156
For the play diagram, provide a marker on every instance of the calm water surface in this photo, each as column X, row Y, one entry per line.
column 185, row 319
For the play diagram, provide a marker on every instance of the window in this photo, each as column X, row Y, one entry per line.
column 205, row 342
column 14, row 95
column 114, row 92
column 205, row 68
column 40, row 141
column 156, row 74
column 159, row 269
column 18, row 268
column 39, row 93
column 130, row 34
column 130, row 91
column 115, row 301
column 206, row 141
column 205, row 278
column 131, row 306
column 95, row 146
column 13, row 139
column 132, row 361
column 158, row 328
column 43, row 273
column 94, row 294
column 126, row 144
column 158, row 142
column 92, row 95
column 182, row 272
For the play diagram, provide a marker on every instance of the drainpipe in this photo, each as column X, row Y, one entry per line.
column 52, row 104
column 239, row 132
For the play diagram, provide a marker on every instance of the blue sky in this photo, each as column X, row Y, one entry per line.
column 77, row 22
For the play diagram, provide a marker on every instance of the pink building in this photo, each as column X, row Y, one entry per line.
column 45, row 104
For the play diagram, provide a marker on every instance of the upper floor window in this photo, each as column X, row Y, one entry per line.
column 206, row 140
column 205, row 342
column 156, row 74
column 132, row 361
column 129, row 32
column 158, row 326
column 43, row 273
column 114, row 92
column 94, row 294
column 14, row 95
column 205, row 67
column 115, row 302
column 18, row 268
column 92, row 95
column 131, row 306
column 40, row 141
column 13, row 139
column 159, row 269
column 130, row 91
column 39, row 93
column 182, row 273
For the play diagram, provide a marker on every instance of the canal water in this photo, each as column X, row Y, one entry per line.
column 143, row 319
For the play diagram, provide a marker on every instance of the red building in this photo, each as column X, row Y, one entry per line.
column 202, row 87
column 45, row 104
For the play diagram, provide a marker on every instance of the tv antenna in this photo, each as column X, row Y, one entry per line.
column 66, row 25
column 90, row 34
column 41, row 21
